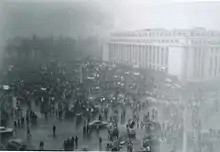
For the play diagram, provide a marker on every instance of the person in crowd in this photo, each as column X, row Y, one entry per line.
column 84, row 130
column 28, row 131
column 54, row 130
column 15, row 124
column 73, row 142
column 22, row 121
column 76, row 141
column 41, row 145
column 18, row 123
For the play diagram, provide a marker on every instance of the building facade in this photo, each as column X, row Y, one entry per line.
column 192, row 55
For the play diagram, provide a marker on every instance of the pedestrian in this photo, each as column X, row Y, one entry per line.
column 88, row 119
column 64, row 145
column 73, row 142
column 41, row 145
column 142, row 125
column 76, row 141
column 15, row 124
column 97, row 129
column 45, row 115
column 18, row 123
column 84, row 130
column 28, row 132
column 87, row 128
column 54, row 130
column 100, row 140
column 68, row 144
column 22, row 121
column 27, row 119
column 35, row 119
column 100, row 143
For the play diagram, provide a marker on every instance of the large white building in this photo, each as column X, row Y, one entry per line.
column 192, row 55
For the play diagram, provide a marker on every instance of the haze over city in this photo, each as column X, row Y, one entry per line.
column 110, row 75
column 95, row 17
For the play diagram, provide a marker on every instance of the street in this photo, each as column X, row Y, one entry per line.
column 67, row 128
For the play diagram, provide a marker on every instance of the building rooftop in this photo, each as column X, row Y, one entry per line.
column 197, row 31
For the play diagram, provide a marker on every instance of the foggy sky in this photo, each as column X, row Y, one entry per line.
column 93, row 17
column 142, row 14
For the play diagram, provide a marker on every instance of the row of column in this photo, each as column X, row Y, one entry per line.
column 153, row 57
column 199, row 56
column 206, row 62
column 214, row 60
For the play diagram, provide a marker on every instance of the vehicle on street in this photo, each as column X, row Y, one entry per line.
column 6, row 131
column 17, row 144
column 98, row 124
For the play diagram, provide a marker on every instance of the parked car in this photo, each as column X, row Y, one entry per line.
column 17, row 144
column 6, row 131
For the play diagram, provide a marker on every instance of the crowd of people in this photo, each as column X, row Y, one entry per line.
column 89, row 90
column 56, row 89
